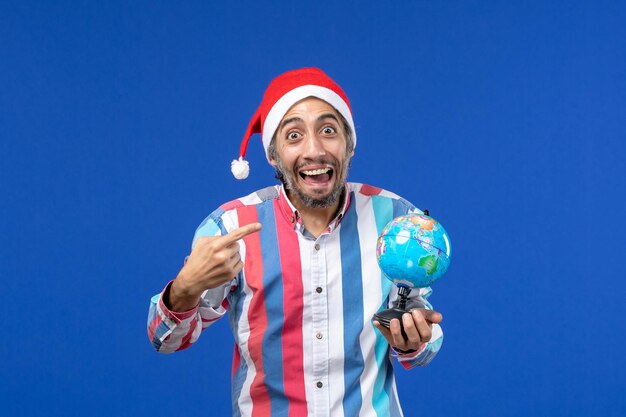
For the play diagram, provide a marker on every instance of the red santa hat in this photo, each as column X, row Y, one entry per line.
column 283, row 92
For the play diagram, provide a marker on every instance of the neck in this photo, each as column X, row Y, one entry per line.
column 315, row 220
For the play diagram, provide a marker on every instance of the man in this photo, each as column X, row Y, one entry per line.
column 295, row 267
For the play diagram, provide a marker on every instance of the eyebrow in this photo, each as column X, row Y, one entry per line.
column 328, row 116
column 299, row 119
column 290, row 120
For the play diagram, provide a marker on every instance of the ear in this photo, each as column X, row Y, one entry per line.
column 272, row 161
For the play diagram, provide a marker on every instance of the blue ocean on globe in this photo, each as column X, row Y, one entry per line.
column 413, row 250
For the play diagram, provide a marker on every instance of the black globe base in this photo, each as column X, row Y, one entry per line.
column 384, row 317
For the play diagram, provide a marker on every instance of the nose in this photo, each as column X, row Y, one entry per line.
column 314, row 147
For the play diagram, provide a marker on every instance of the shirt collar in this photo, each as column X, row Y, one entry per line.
column 290, row 213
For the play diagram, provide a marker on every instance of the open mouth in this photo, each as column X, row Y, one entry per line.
column 316, row 176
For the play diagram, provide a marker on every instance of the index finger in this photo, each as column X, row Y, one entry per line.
column 240, row 233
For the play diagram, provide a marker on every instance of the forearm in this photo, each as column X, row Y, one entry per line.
column 170, row 330
column 180, row 296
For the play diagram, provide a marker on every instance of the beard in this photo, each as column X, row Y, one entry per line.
column 289, row 180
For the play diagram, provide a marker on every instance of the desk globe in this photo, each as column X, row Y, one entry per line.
column 412, row 251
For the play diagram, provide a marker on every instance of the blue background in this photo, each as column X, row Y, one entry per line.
column 118, row 122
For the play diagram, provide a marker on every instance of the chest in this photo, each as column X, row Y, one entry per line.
column 332, row 282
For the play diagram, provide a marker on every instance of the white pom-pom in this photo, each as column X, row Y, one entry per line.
column 240, row 168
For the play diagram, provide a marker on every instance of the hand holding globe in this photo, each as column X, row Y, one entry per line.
column 412, row 251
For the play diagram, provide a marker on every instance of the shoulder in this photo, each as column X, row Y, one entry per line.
column 365, row 192
column 253, row 199
column 225, row 218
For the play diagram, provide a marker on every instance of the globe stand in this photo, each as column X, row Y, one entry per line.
column 384, row 317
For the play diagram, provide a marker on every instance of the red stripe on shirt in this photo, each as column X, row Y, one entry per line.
column 231, row 205
column 293, row 356
column 153, row 326
column 236, row 361
column 257, row 315
column 369, row 190
column 210, row 320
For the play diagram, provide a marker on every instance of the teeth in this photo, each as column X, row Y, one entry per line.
column 316, row 171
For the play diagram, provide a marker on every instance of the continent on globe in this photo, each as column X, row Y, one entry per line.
column 429, row 263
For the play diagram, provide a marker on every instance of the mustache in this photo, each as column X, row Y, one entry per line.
column 320, row 161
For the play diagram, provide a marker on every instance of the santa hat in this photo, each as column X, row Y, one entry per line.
column 283, row 92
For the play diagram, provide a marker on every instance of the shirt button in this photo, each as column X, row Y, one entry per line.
column 317, row 246
column 319, row 290
column 318, row 335
column 319, row 384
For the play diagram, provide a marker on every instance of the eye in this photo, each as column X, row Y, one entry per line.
column 294, row 135
column 329, row 130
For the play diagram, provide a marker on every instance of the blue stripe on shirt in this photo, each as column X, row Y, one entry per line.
column 383, row 212
column 210, row 227
column 352, row 311
column 401, row 207
column 273, row 295
column 394, row 409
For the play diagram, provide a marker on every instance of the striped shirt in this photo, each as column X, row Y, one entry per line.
column 301, row 309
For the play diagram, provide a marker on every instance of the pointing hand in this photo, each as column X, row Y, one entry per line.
column 214, row 261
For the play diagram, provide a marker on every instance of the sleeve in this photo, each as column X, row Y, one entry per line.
column 418, row 298
column 171, row 331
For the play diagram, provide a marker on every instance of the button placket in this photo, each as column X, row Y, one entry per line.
column 319, row 310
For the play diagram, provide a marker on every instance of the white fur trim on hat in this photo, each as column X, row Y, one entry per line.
column 282, row 106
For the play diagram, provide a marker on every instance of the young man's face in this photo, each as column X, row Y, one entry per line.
column 311, row 153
